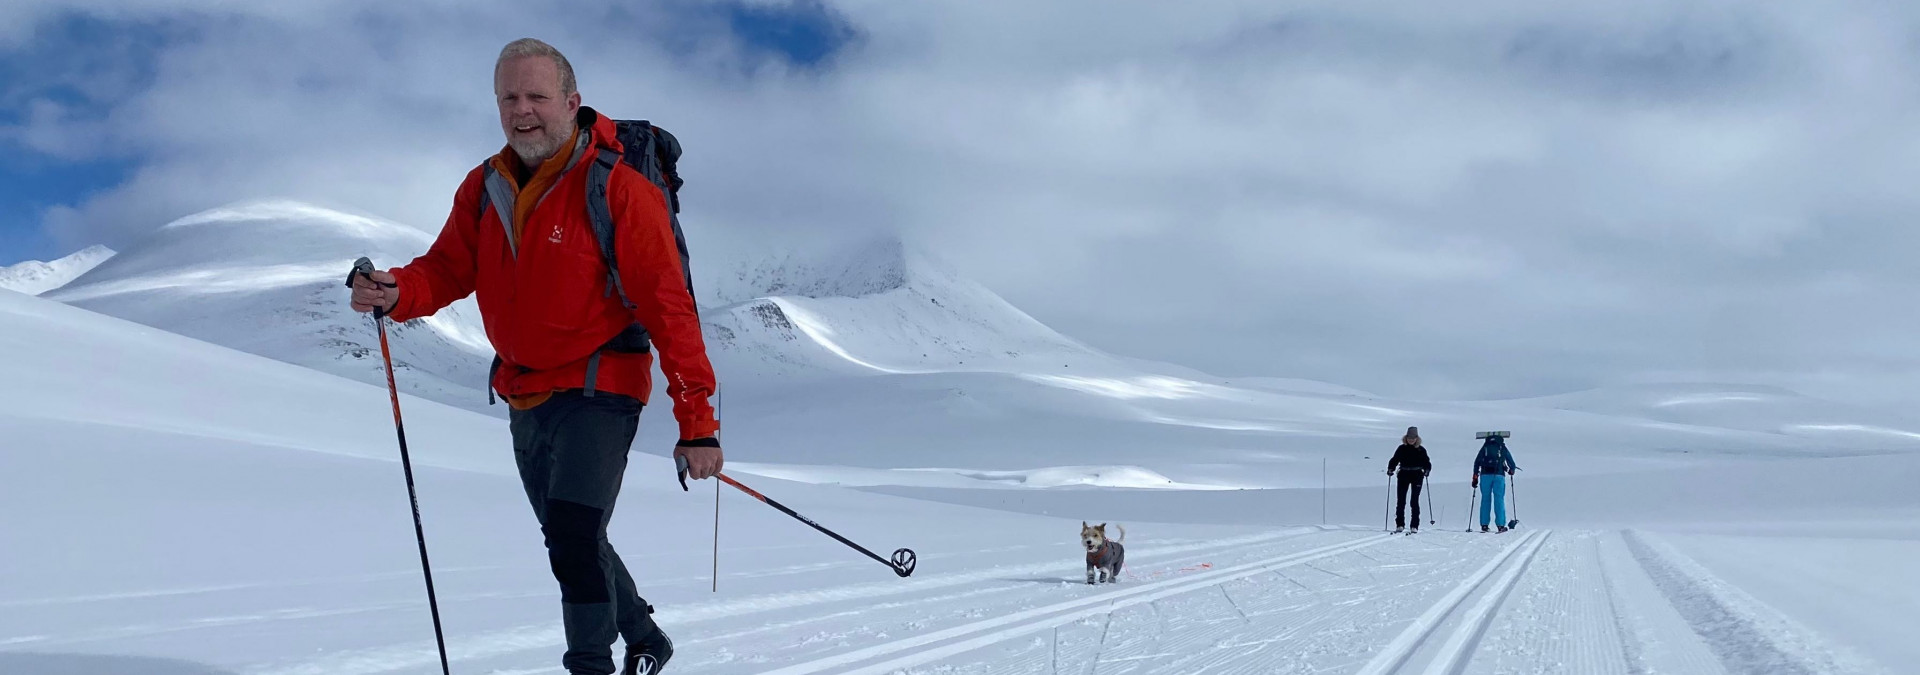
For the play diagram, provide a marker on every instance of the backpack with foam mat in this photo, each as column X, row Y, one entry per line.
column 654, row 153
column 1492, row 458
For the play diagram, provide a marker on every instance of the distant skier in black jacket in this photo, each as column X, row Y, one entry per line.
column 1412, row 462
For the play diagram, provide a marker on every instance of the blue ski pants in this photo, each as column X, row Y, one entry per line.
column 1493, row 497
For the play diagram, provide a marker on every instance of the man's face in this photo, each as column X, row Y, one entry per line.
column 536, row 117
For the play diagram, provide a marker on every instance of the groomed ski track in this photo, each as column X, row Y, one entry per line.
column 1302, row 601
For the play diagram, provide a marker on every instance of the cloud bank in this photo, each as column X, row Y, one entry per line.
column 1496, row 200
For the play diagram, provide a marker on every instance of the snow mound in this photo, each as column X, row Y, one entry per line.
column 35, row 277
column 108, row 373
column 267, row 278
column 877, row 308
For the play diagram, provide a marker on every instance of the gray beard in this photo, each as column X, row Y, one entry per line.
column 534, row 153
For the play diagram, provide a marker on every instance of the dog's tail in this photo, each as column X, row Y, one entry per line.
column 1123, row 533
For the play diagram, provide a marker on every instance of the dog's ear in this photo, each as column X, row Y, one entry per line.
column 1083, row 524
column 1101, row 527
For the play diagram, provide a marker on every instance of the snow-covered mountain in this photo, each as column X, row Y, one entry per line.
column 880, row 357
column 879, row 307
column 267, row 277
column 35, row 277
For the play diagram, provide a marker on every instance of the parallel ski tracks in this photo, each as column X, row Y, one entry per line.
column 960, row 639
column 1455, row 650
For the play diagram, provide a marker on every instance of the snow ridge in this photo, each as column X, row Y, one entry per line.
column 35, row 277
column 267, row 278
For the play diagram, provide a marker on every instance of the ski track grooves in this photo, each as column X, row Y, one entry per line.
column 1054, row 615
column 1747, row 637
column 1396, row 653
column 1453, row 655
column 1630, row 639
column 510, row 640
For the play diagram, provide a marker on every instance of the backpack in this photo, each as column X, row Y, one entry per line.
column 1493, row 457
column 654, row 153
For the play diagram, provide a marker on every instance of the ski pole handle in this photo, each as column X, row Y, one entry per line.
column 364, row 268
column 680, row 464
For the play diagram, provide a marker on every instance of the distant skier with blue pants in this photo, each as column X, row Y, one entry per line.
column 1490, row 471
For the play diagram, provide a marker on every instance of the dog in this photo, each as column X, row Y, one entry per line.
column 1104, row 556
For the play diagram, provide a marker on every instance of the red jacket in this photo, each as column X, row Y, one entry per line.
column 546, row 305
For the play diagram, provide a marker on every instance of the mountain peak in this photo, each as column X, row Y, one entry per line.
column 872, row 304
column 818, row 270
column 35, row 277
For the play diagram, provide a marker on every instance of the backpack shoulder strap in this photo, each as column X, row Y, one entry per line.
column 653, row 160
column 600, row 213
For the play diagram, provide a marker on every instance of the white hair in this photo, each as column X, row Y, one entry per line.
column 533, row 47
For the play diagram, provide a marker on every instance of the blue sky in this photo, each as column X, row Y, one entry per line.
column 84, row 65
column 33, row 183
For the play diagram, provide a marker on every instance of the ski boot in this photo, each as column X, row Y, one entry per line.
column 1483, row 529
column 649, row 655
column 1503, row 529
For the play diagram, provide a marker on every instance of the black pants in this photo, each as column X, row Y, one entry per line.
column 1409, row 480
column 572, row 453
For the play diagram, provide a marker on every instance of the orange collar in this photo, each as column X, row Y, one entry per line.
column 528, row 196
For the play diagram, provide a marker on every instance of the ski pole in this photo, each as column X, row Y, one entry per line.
column 903, row 560
column 1513, row 487
column 1431, row 520
column 1473, row 494
column 716, row 495
column 364, row 267
column 1388, row 514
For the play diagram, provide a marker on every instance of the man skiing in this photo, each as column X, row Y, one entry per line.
column 1490, row 471
column 573, row 373
column 1412, row 462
